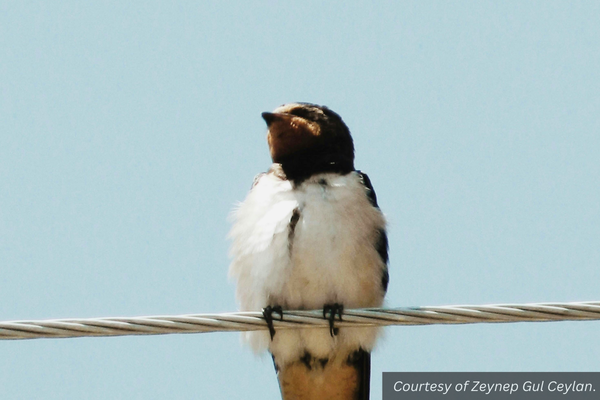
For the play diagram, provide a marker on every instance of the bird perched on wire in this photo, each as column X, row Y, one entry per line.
column 310, row 235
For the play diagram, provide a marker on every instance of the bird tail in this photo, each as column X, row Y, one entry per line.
column 307, row 379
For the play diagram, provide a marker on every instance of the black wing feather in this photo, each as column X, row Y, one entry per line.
column 382, row 245
column 369, row 188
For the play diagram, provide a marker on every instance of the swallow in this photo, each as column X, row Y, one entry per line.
column 310, row 235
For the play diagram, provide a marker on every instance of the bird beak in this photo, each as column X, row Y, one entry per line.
column 270, row 117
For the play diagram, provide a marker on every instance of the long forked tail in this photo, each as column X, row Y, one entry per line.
column 308, row 379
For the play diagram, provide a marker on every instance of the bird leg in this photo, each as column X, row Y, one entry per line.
column 329, row 313
column 267, row 313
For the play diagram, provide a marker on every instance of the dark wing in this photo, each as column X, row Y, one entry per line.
column 368, row 188
column 382, row 240
column 382, row 249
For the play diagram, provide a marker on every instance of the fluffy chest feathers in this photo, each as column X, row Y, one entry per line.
column 303, row 247
column 307, row 246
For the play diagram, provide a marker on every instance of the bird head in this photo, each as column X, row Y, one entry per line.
column 307, row 138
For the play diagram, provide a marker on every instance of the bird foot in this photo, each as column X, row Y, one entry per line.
column 329, row 313
column 267, row 313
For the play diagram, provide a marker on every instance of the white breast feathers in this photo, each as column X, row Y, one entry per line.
column 303, row 247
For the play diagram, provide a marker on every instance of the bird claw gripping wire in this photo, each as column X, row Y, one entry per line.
column 268, row 316
column 329, row 313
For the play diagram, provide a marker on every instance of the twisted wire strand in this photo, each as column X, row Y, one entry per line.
column 250, row 321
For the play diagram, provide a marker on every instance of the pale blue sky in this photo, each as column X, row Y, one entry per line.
column 129, row 131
